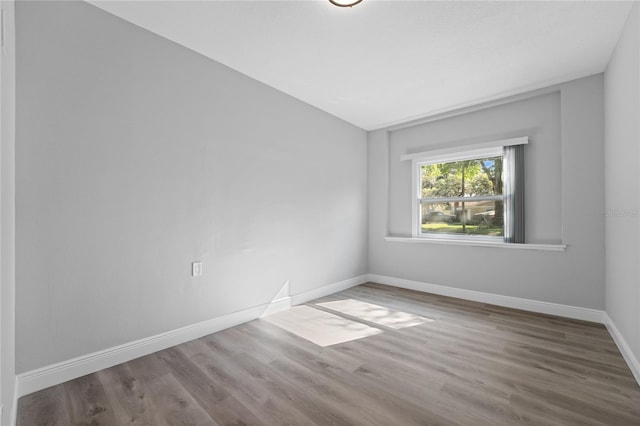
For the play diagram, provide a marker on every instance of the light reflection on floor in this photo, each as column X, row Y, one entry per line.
column 320, row 327
column 375, row 314
column 326, row 329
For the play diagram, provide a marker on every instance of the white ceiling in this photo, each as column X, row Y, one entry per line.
column 385, row 62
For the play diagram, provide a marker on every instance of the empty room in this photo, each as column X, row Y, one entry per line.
column 320, row 212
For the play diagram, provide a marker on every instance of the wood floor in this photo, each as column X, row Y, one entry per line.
column 475, row 364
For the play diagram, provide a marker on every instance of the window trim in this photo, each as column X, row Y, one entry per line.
column 472, row 154
column 449, row 154
column 476, row 243
column 453, row 149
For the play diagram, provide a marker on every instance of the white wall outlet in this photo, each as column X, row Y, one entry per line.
column 196, row 269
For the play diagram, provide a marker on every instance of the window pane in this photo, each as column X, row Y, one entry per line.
column 470, row 178
column 467, row 218
column 437, row 181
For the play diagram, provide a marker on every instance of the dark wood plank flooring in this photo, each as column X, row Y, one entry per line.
column 475, row 364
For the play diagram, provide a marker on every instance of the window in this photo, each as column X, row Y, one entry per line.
column 470, row 193
column 462, row 197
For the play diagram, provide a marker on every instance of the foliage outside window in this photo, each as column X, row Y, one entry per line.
column 462, row 197
column 470, row 192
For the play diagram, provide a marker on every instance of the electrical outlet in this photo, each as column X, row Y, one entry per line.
column 196, row 269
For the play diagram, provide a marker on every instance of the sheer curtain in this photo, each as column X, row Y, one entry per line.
column 513, row 168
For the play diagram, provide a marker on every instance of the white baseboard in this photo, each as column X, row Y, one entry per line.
column 329, row 289
column 51, row 375
column 566, row 311
column 54, row 374
column 277, row 306
column 623, row 346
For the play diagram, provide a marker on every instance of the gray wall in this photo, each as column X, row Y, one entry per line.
column 538, row 118
column 564, row 178
column 622, row 183
column 135, row 157
column 7, row 215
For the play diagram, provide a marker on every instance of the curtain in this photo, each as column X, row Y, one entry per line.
column 513, row 169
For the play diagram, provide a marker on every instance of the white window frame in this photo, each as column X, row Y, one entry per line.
column 447, row 155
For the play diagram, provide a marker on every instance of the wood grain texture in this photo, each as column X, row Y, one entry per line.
column 474, row 364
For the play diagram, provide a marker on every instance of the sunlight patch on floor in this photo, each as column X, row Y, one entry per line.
column 375, row 314
column 320, row 327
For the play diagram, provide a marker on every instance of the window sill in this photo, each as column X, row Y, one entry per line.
column 472, row 243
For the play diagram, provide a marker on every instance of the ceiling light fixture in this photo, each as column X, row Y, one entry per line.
column 344, row 3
